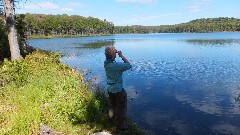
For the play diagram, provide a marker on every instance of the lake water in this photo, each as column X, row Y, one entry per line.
column 180, row 84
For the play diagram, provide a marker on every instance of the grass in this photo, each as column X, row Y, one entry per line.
column 40, row 90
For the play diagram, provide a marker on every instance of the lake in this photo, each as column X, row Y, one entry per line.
column 180, row 83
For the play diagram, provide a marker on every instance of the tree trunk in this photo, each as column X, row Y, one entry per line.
column 12, row 35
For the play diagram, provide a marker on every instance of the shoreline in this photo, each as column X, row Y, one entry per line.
column 64, row 103
column 64, row 36
column 95, row 35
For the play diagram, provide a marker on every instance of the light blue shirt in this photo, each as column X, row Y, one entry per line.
column 114, row 72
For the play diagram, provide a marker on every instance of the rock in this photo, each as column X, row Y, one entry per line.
column 44, row 130
column 102, row 133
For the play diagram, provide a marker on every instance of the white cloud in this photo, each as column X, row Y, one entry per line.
column 198, row 5
column 206, row 0
column 44, row 6
column 159, row 16
column 67, row 9
column 194, row 8
column 75, row 4
column 139, row 19
column 209, row 107
column 226, row 128
column 136, row 1
column 132, row 92
column 41, row 6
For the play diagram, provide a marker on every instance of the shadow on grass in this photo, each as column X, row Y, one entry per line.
column 96, row 117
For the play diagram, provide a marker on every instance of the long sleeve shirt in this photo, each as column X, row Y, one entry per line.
column 114, row 72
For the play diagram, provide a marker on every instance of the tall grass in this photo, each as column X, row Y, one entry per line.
column 40, row 90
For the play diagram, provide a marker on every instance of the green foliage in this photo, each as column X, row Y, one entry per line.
column 94, row 45
column 14, row 72
column 4, row 43
column 199, row 25
column 137, row 29
column 221, row 24
column 39, row 89
column 58, row 25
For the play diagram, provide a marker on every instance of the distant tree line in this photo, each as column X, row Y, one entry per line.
column 42, row 24
column 136, row 29
column 220, row 24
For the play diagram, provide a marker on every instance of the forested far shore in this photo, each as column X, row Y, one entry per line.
column 221, row 24
column 50, row 26
column 42, row 24
column 64, row 25
column 57, row 25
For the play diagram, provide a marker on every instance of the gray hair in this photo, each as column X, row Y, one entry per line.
column 109, row 52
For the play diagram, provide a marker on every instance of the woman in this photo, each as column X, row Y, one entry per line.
column 116, row 87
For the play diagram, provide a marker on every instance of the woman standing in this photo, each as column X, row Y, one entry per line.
column 116, row 86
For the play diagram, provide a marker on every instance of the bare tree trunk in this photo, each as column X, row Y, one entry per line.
column 12, row 35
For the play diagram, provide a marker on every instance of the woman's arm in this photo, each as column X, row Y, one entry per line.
column 123, row 58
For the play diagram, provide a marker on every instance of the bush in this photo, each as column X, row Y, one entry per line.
column 4, row 44
column 39, row 89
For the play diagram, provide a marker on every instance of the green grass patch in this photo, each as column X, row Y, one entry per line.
column 40, row 90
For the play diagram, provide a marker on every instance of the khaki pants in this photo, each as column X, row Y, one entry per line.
column 117, row 107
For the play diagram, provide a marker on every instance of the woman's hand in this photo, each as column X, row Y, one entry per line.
column 120, row 53
column 121, row 56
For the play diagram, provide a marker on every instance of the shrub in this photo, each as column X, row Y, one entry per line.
column 39, row 89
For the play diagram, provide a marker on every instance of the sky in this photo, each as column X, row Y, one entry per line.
column 135, row 12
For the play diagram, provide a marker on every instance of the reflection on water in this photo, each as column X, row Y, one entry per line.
column 180, row 84
column 94, row 45
column 216, row 42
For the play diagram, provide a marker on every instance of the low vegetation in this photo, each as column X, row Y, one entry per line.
column 39, row 90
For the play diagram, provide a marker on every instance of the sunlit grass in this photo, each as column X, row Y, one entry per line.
column 41, row 90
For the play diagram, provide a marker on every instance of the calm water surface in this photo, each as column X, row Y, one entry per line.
column 180, row 84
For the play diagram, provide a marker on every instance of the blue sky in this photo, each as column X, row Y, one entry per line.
column 136, row 12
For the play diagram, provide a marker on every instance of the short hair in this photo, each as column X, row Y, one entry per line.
column 109, row 51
